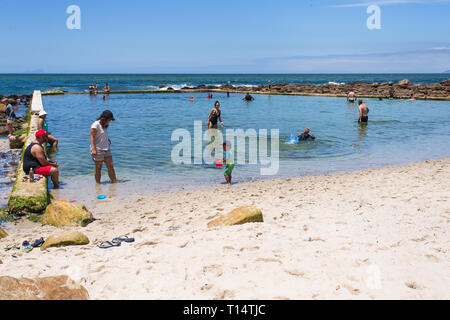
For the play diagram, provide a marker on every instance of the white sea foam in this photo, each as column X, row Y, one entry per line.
column 173, row 86
column 337, row 83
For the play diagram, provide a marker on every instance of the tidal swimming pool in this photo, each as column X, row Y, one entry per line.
column 398, row 132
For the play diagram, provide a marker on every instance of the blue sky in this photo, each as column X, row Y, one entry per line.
column 247, row 36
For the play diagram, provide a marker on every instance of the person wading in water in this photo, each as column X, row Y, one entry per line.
column 215, row 115
column 101, row 146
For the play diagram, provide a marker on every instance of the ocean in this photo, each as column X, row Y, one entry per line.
column 27, row 83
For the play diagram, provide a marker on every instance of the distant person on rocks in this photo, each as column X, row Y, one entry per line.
column 214, row 115
column 248, row 97
column 351, row 98
column 42, row 125
column 363, row 112
column 10, row 118
column 34, row 158
column 101, row 146
column 306, row 135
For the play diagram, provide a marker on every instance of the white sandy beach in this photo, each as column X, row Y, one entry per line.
column 373, row 234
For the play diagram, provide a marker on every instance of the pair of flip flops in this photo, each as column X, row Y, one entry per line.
column 116, row 242
column 27, row 247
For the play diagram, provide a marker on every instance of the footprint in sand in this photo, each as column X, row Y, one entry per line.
column 413, row 285
column 215, row 270
column 225, row 295
column 228, row 248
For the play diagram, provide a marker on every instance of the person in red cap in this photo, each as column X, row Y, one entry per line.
column 34, row 158
column 101, row 146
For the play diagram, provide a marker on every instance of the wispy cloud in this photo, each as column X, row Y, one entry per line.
column 425, row 60
column 388, row 2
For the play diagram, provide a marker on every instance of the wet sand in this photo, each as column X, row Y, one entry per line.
column 372, row 234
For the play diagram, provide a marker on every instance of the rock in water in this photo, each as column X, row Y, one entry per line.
column 404, row 83
column 241, row 215
column 51, row 288
column 3, row 233
column 61, row 214
column 66, row 238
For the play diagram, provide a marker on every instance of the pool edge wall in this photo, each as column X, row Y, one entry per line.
column 29, row 197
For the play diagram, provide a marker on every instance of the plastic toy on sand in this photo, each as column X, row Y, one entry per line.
column 101, row 197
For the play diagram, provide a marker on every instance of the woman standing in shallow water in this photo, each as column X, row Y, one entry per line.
column 214, row 115
column 101, row 146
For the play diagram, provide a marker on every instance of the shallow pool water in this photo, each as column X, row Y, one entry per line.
column 398, row 131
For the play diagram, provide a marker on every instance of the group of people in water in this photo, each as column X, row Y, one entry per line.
column 93, row 90
column 100, row 145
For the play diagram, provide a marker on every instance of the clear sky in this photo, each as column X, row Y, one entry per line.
column 245, row 36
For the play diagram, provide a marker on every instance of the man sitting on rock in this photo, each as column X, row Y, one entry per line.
column 34, row 158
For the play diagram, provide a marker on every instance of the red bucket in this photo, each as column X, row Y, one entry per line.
column 219, row 163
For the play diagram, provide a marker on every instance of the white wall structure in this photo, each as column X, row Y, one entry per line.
column 36, row 105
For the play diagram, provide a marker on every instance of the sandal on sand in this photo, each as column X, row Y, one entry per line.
column 27, row 248
column 38, row 243
column 124, row 239
column 108, row 244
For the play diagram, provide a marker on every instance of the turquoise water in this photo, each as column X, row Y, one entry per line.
column 398, row 132
column 27, row 83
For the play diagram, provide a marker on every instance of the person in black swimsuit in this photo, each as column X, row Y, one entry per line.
column 248, row 97
column 363, row 112
column 215, row 115
column 306, row 135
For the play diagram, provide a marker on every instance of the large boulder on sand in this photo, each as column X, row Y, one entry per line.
column 64, row 239
column 61, row 214
column 3, row 233
column 241, row 215
column 50, row 288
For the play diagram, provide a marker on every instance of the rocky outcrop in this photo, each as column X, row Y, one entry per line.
column 241, row 215
column 17, row 142
column 64, row 239
column 50, row 288
column 3, row 233
column 60, row 214
column 402, row 90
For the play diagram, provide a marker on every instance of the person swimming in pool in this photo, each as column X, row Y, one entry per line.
column 306, row 135
column 351, row 97
column 248, row 97
column 215, row 115
column 363, row 112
